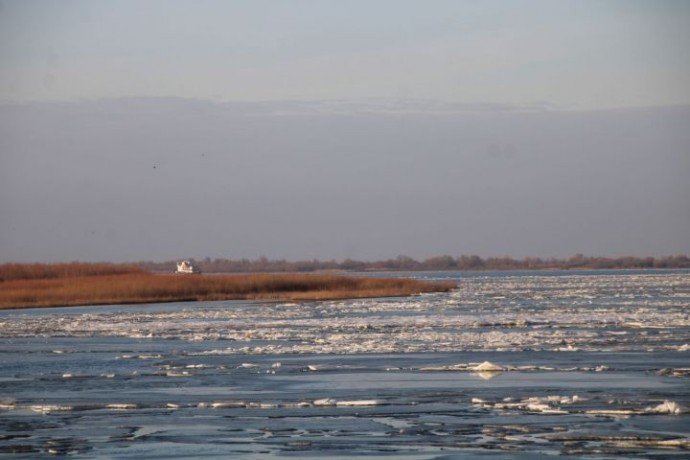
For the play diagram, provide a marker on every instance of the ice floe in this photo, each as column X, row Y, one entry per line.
column 546, row 405
column 121, row 406
column 487, row 366
column 667, row 407
column 323, row 402
column 675, row 372
column 557, row 404
column 359, row 402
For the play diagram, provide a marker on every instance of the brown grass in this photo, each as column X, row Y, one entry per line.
column 122, row 287
column 10, row 272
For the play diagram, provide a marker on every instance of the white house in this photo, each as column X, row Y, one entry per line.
column 187, row 266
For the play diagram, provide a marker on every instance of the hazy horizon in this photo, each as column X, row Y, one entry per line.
column 330, row 130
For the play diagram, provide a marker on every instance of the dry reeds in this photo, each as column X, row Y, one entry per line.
column 126, row 284
column 10, row 272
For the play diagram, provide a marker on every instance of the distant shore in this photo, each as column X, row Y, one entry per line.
column 60, row 285
column 438, row 263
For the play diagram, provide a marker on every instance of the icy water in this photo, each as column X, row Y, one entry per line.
column 510, row 365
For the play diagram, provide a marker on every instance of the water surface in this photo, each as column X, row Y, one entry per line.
column 589, row 364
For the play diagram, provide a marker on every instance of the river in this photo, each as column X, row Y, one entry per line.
column 517, row 365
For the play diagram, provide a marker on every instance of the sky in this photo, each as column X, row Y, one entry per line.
column 343, row 129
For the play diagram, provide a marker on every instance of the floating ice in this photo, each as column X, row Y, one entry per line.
column 325, row 402
column 227, row 404
column 7, row 403
column 667, row 407
column 178, row 374
column 487, row 366
column 613, row 412
column 619, row 312
column 47, row 408
column 249, row 366
column 359, row 402
column 227, row 407
column 121, row 406
column 546, row 404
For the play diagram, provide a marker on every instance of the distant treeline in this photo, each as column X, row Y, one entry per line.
column 404, row 263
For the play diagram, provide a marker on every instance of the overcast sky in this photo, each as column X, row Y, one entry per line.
column 324, row 129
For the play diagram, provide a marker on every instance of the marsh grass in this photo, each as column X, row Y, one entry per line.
column 9, row 272
column 127, row 284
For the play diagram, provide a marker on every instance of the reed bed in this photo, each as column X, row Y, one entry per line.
column 142, row 287
column 13, row 271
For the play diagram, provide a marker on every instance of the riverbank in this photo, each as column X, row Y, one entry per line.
column 71, row 287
